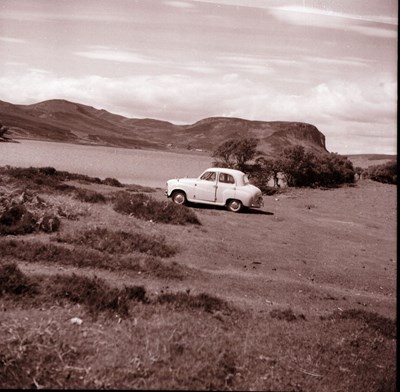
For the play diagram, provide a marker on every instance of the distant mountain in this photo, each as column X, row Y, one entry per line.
column 64, row 121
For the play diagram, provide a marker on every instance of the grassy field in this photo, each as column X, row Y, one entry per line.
column 104, row 285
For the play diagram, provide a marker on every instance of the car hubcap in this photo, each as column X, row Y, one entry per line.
column 235, row 205
column 179, row 199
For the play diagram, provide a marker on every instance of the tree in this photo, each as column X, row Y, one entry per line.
column 235, row 153
column 266, row 169
column 306, row 168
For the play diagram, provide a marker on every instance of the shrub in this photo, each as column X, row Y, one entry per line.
column 92, row 292
column 49, row 223
column 303, row 168
column 112, row 182
column 145, row 207
column 14, row 282
column 386, row 173
column 16, row 219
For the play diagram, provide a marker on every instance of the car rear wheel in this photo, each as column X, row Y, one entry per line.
column 179, row 197
column 234, row 205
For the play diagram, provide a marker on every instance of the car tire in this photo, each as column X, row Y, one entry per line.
column 179, row 197
column 234, row 205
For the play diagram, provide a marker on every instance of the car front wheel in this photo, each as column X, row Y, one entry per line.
column 234, row 205
column 179, row 197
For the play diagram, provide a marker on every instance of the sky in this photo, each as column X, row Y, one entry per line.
column 329, row 63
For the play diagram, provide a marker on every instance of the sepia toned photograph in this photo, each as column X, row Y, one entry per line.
column 198, row 195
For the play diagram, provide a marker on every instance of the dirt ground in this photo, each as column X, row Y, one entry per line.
column 307, row 253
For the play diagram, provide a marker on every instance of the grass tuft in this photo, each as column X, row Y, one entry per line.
column 286, row 315
column 202, row 301
column 92, row 292
column 89, row 196
column 14, row 282
column 385, row 326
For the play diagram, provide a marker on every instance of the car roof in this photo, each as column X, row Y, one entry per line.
column 234, row 172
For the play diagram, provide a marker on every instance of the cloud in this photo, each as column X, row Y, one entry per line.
column 12, row 40
column 179, row 4
column 116, row 55
column 307, row 16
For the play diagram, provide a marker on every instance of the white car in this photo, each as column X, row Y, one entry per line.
column 216, row 186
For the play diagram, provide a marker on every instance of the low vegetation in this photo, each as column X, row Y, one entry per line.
column 145, row 207
column 82, row 257
column 178, row 341
column 119, row 242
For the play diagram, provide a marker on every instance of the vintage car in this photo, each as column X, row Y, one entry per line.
column 216, row 186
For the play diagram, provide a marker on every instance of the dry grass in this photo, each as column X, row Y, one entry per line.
column 119, row 242
column 178, row 342
column 145, row 207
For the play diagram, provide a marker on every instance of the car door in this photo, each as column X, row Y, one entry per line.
column 226, row 185
column 206, row 187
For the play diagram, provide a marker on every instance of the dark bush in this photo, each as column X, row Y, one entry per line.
column 48, row 171
column 137, row 293
column 14, row 282
column 49, row 223
column 112, row 182
column 17, row 219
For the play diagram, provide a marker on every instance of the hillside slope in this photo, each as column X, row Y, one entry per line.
column 64, row 121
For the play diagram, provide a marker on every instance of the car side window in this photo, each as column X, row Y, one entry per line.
column 208, row 176
column 226, row 178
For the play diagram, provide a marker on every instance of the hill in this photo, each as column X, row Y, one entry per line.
column 64, row 121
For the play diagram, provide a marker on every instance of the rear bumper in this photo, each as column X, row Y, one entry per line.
column 258, row 203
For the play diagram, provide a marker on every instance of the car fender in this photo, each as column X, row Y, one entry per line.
column 244, row 195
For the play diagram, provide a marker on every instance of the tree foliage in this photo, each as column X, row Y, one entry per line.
column 296, row 165
column 235, row 153
column 305, row 168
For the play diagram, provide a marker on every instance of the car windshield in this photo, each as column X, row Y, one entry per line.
column 246, row 179
column 208, row 176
